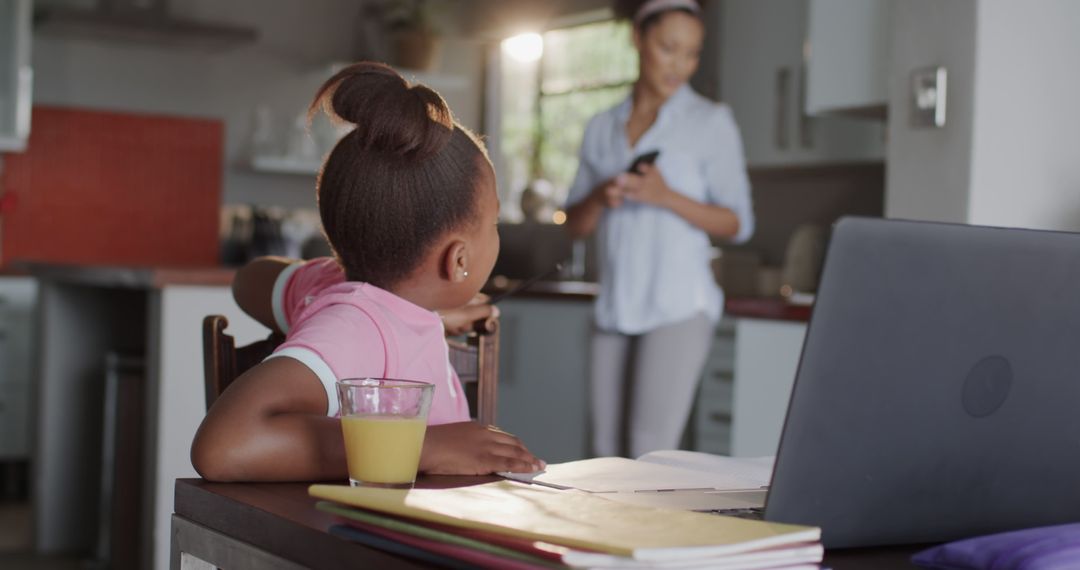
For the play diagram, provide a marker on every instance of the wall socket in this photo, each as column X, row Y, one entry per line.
column 928, row 90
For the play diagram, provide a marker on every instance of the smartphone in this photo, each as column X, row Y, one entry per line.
column 644, row 158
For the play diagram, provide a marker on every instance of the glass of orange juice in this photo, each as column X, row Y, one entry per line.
column 383, row 422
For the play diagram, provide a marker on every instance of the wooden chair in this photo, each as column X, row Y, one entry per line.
column 475, row 357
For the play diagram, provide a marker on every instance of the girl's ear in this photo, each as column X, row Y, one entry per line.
column 455, row 264
column 637, row 38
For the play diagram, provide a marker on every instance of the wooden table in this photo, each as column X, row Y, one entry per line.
column 242, row 526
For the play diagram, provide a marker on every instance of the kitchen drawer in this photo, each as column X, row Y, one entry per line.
column 716, row 396
column 721, row 353
column 717, row 375
column 14, row 428
column 726, row 327
column 721, row 356
column 712, row 433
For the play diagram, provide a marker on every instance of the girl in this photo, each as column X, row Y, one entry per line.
column 658, row 300
column 408, row 204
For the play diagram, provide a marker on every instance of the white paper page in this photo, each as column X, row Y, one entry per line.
column 692, row 500
column 782, row 557
column 752, row 471
column 611, row 474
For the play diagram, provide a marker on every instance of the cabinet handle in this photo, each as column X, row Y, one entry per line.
column 23, row 96
column 783, row 89
column 720, row 418
column 806, row 126
column 723, row 375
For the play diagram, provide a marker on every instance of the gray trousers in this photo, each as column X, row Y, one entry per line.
column 642, row 386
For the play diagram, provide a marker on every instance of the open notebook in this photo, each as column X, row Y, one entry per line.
column 671, row 478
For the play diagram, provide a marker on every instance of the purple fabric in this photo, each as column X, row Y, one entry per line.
column 1043, row 548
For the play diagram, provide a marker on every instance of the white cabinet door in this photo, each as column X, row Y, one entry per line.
column 847, row 56
column 16, row 76
column 761, row 77
column 766, row 357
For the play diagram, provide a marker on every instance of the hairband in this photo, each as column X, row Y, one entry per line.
column 653, row 7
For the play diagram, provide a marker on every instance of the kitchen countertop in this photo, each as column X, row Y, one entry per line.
column 158, row 277
column 131, row 277
column 774, row 308
column 559, row 290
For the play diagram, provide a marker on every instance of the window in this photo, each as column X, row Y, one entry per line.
column 544, row 105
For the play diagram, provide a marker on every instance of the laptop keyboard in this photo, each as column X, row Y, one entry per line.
column 753, row 513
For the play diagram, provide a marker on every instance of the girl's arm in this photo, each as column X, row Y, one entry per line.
column 271, row 425
column 253, row 288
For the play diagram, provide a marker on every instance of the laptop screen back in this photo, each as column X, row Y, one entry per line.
column 938, row 394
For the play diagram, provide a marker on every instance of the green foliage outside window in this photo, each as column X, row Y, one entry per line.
column 584, row 70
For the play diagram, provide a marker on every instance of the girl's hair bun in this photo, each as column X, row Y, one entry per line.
column 390, row 114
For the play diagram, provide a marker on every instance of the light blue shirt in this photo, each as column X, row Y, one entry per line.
column 654, row 265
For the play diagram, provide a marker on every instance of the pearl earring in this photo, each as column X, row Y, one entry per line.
column 465, row 274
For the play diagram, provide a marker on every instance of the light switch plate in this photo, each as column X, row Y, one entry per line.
column 928, row 90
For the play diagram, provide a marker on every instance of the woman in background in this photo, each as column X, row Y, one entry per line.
column 658, row 301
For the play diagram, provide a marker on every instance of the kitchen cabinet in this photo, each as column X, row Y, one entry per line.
column 767, row 355
column 18, row 296
column 713, row 407
column 762, row 76
column 847, row 59
column 543, row 374
column 85, row 313
column 16, row 75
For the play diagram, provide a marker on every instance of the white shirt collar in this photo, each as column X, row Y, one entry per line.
column 674, row 104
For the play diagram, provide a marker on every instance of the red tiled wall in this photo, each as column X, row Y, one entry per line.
column 97, row 187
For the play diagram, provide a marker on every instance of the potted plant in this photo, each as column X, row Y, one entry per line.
column 413, row 33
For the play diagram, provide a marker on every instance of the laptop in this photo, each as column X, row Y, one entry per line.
column 937, row 396
column 938, row 393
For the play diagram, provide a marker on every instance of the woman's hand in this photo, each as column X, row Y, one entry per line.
column 649, row 187
column 610, row 192
column 468, row 448
column 583, row 217
column 460, row 320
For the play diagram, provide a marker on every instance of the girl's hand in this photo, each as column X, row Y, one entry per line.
column 649, row 187
column 460, row 320
column 610, row 192
column 468, row 448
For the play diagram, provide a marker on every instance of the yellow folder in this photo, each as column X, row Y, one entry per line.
column 576, row 519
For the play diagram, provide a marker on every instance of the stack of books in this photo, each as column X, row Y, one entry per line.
column 510, row 525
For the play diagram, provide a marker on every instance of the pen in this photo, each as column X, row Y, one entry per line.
column 525, row 284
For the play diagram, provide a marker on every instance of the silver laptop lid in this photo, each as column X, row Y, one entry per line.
column 938, row 395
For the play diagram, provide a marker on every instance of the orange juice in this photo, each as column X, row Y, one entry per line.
column 383, row 449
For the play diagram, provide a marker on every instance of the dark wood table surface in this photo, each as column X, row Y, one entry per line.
column 280, row 518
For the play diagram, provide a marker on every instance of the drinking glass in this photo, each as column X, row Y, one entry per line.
column 383, row 421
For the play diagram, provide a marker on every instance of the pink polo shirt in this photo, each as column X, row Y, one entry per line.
column 345, row 329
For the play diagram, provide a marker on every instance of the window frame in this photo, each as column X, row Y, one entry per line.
column 508, row 194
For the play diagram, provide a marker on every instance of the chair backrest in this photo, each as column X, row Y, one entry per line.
column 476, row 361
column 475, row 358
column 223, row 362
